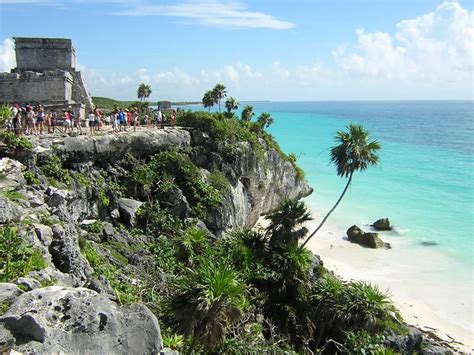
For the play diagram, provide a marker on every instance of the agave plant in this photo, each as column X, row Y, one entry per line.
column 207, row 301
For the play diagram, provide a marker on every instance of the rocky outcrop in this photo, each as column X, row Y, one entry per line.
column 258, row 185
column 382, row 224
column 369, row 240
column 79, row 321
column 128, row 208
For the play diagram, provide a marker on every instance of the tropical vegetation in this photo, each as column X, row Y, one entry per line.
column 143, row 91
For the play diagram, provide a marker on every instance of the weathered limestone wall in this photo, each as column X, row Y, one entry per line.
column 32, row 87
column 39, row 54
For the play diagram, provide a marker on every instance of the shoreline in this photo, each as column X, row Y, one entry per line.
column 422, row 301
column 404, row 274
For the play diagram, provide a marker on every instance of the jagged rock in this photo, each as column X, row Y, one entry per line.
column 11, row 170
column 108, row 231
column 65, row 254
column 57, row 198
column 128, row 208
column 101, row 285
column 114, row 147
column 9, row 211
column 115, row 214
column 199, row 137
column 432, row 348
column 9, row 292
column 6, row 341
column 404, row 344
column 80, row 321
column 44, row 234
column 51, row 276
column 370, row 240
column 176, row 202
column 382, row 224
column 202, row 226
column 28, row 283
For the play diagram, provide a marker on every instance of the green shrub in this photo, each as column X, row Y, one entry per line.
column 219, row 181
column 4, row 307
column 95, row 227
column 17, row 258
column 14, row 142
column 82, row 179
column 14, row 196
column 361, row 342
column 103, row 198
column 172, row 340
column 53, row 169
column 31, row 178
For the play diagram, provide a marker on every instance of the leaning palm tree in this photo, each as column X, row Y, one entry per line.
column 265, row 120
column 208, row 100
column 231, row 104
column 219, row 93
column 143, row 91
column 247, row 113
column 353, row 153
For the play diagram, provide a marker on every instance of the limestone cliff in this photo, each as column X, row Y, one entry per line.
column 75, row 200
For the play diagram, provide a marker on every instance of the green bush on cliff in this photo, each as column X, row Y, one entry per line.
column 53, row 169
column 17, row 258
column 31, row 178
column 14, row 142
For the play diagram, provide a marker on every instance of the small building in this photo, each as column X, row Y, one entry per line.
column 164, row 105
column 45, row 72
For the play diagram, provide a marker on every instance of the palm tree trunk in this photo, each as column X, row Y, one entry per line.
column 330, row 211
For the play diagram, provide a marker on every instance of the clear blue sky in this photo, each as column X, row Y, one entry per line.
column 268, row 49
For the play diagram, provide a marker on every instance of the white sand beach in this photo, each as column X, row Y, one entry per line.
column 419, row 280
column 422, row 282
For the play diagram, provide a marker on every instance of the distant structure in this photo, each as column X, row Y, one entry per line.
column 164, row 105
column 46, row 72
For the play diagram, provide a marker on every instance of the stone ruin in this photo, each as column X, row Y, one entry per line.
column 46, row 72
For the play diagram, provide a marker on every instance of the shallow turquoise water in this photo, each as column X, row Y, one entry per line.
column 424, row 183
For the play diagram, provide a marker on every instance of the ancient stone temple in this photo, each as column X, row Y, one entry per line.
column 46, row 72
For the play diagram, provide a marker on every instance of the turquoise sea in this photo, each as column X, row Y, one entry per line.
column 424, row 183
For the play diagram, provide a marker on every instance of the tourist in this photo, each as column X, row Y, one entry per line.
column 135, row 120
column 54, row 117
column 67, row 122
column 146, row 120
column 39, row 118
column 16, row 122
column 30, row 121
column 115, row 122
column 91, row 117
column 121, row 120
column 129, row 118
column 173, row 118
column 158, row 118
column 163, row 120
column 47, row 121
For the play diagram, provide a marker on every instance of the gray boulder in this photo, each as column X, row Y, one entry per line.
column 9, row 211
column 66, row 255
column 370, row 240
column 12, row 172
column 6, row 341
column 57, row 198
column 404, row 344
column 9, row 292
column 28, row 283
column 127, row 209
column 80, row 321
column 176, row 202
column 382, row 224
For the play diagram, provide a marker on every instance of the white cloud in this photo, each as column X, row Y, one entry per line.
column 211, row 13
column 435, row 47
column 281, row 71
column 7, row 55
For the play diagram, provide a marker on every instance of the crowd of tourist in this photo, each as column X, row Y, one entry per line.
column 35, row 120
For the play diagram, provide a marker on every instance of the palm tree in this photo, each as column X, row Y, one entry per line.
column 208, row 300
column 353, row 153
column 284, row 221
column 265, row 120
column 231, row 104
column 208, row 100
column 247, row 113
column 219, row 93
column 143, row 91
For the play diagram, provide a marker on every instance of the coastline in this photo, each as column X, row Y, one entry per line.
column 429, row 304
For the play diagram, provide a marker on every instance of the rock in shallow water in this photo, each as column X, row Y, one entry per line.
column 382, row 224
column 80, row 321
column 370, row 240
